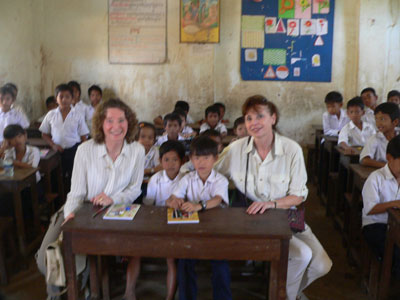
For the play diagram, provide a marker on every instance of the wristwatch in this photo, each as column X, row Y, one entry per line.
column 203, row 205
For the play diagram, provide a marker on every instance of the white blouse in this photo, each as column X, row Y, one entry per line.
column 12, row 117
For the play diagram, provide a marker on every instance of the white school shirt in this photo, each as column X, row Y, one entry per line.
column 380, row 187
column 32, row 157
column 90, row 114
column 65, row 133
column 186, row 167
column 94, row 172
column 187, row 130
column 192, row 189
column 375, row 147
column 152, row 158
column 163, row 138
column 369, row 116
column 282, row 173
column 353, row 136
column 13, row 116
column 189, row 119
column 332, row 125
column 83, row 109
column 221, row 128
column 160, row 188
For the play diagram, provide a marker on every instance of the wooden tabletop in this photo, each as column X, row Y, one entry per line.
column 19, row 175
column 330, row 138
column 362, row 171
column 38, row 142
column 317, row 126
column 342, row 151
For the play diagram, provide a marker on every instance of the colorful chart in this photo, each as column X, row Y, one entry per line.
column 287, row 40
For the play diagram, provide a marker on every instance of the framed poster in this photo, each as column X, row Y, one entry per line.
column 287, row 40
column 199, row 21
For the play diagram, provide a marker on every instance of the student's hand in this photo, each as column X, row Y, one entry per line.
column 102, row 200
column 191, row 207
column 259, row 207
column 5, row 145
column 69, row 217
column 57, row 148
column 174, row 202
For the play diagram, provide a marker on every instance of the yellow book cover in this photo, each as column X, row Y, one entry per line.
column 176, row 216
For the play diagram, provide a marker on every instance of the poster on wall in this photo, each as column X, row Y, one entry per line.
column 137, row 31
column 287, row 40
column 199, row 21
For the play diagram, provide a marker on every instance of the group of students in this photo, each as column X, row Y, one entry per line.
column 374, row 128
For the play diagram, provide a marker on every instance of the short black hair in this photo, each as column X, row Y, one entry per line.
column 63, row 88
column 6, row 89
column 334, row 97
column 393, row 147
column 172, row 117
column 389, row 108
column 13, row 86
column 172, row 146
column 203, row 145
column 393, row 93
column 95, row 88
column 182, row 105
column 238, row 122
column 212, row 109
column 146, row 125
column 211, row 132
column 368, row 89
column 50, row 100
column 180, row 112
column 12, row 131
column 75, row 84
column 220, row 105
column 356, row 101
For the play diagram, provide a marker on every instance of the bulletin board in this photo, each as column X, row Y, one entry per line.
column 137, row 31
column 287, row 40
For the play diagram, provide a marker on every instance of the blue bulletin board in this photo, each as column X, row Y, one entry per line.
column 287, row 40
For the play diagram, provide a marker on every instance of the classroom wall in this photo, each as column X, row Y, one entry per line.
column 69, row 41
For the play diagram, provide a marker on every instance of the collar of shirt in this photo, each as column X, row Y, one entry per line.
column 276, row 148
column 210, row 178
column 381, row 136
column 387, row 173
column 165, row 179
column 102, row 150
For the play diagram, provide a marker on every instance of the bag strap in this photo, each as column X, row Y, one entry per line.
column 245, row 178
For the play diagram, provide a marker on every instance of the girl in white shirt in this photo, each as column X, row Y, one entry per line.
column 276, row 178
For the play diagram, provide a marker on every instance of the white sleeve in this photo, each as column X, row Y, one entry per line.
column 298, row 175
column 82, row 127
column 181, row 188
column 223, row 129
column 370, row 194
column 369, row 149
column 156, row 159
column 24, row 122
column 34, row 157
column 150, row 198
column 45, row 127
column 344, row 135
column 203, row 127
column 223, row 164
column 325, row 124
column 221, row 188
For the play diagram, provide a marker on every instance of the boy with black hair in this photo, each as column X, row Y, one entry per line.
column 334, row 119
column 356, row 132
column 222, row 110
column 185, row 107
column 370, row 99
column 77, row 102
column 186, row 131
column 216, row 137
column 380, row 192
column 387, row 118
column 8, row 114
column 394, row 96
column 212, row 121
column 172, row 126
column 199, row 190
column 95, row 96
column 239, row 129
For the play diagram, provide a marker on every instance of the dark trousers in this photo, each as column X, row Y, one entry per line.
column 187, row 279
column 67, row 163
column 375, row 236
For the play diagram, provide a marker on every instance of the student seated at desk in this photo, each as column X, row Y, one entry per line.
column 334, row 119
column 239, row 129
column 64, row 129
column 159, row 189
column 51, row 103
column 172, row 126
column 158, row 121
column 370, row 99
column 212, row 121
column 380, row 192
column 186, row 131
column 374, row 152
column 203, row 189
column 80, row 106
column 356, row 132
column 222, row 110
column 394, row 96
column 8, row 114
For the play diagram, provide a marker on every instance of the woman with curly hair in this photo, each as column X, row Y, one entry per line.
column 108, row 169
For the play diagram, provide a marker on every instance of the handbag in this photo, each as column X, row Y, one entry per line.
column 55, row 272
column 295, row 216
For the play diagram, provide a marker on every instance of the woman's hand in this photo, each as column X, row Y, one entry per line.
column 191, row 207
column 259, row 207
column 69, row 217
column 102, row 199
column 174, row 202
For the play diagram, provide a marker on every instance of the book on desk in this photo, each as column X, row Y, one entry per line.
column 176, row 216
column 121, row 212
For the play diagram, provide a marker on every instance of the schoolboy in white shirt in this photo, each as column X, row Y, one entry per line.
column 9, row 115
column 334, row 119
column 380, row 192
column 374, row 152
column 197, row 191
column 370, row 99
column 64, row 129
column 356, row 132
column 172, row 126
column 212, row 121
column 80, row 106
column 186, row 131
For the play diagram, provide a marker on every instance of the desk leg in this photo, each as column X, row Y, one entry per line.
column 70, row 268
column 94, row 282
column 277, row 280
column 387, row 264
column 60, row 184
column 20, row 221
column 35, row 203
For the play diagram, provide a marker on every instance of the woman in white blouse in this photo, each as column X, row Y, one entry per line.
column 107, row 169
column 276, row 178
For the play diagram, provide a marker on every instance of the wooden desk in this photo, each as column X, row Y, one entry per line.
column 38, row 142
column 221, row 234
column 227, row 140
column 392, row 238
column 328, row 164
column 23, row 177
column 52, row 162
column 318, row 159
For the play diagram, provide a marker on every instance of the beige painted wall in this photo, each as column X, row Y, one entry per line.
column 56, row 41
